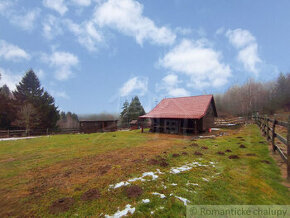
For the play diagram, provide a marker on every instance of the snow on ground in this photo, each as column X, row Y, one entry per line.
column 160, row 195
column 142, row 178
column 19, row 138
column 215, row 129
column 145, row 201
column 128, row 209
column 184, row 200
column 204, row 179
column 186, row 167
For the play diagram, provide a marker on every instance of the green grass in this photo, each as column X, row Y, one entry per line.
column 40, row 164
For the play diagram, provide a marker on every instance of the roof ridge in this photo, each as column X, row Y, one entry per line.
column 189, row 96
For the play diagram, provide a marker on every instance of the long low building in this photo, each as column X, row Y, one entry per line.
column 92, row 126
column 183, row 115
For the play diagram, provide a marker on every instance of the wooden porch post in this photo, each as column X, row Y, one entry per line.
column 195, row 126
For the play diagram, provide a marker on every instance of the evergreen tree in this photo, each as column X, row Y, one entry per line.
column 135, row 109
column 29, row 91
column 124, row 114
column 7, row 108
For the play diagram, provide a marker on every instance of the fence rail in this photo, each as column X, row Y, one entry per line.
column 34, row 132
column 268, row 127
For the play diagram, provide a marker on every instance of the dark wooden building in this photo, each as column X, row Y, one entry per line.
column 92, row 126
column 183, row 115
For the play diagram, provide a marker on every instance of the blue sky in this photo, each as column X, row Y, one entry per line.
column 91, row 55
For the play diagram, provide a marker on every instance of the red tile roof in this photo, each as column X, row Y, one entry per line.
column 193, row 107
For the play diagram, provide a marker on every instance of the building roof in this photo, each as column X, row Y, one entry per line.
column 193, row 107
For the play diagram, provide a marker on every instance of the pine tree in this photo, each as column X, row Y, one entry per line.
column 135, row 109
column 124, row 114
column 29, row 91
column 29, row 88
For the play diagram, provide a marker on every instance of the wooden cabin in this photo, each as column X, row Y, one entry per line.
column 183, row 115
column 92, row 126
column 134, row 124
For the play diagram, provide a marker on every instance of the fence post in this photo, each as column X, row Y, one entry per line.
column 288, row 149
column 273, row 134
column 267, row 128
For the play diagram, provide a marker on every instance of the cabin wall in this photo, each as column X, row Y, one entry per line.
column 208, row 119
column 98, row 126
column 175, row 126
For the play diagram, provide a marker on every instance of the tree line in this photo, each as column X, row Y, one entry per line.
column 30, row 107
column 252, row 97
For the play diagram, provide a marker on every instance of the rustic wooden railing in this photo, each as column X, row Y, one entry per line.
column 268, row 127
column 35, row 132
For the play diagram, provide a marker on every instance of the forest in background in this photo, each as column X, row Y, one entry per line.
column 31, row 107
column 252, row 97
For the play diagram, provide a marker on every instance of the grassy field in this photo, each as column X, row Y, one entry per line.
column 80, row 175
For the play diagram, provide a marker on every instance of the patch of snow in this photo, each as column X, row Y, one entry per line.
column 120, row 184
column 184, row 200
column 141, row 178
column 145, row 201
column 174, row 184
column 186, row 167
column 160, row 195
column 150, row 174
column 215, row 129
column 128, row 209
column 18, row 138
column 204, row 179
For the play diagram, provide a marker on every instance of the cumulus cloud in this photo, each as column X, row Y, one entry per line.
column 83, row 3
column 57, row 5
column 9, row 79
column 59, row 94
column 135, row 85
column 201, row 63
column 27, row 20
column 86, row 33
column 170, row 84
column 63, row 62
column 51, row 27
column 127, row 17
column 12, row 52
column 240, row 38
column 246, row 43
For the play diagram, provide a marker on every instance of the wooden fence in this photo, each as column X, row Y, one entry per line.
column 224, row 122
column 268, row 127
column 36, row 132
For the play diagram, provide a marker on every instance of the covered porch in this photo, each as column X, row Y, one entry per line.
column 176, row 126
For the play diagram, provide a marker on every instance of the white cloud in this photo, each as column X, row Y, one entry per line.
column 246, row 43
column 9, row 79
column 249, row 57
column 171, row 79
column 4, row 6
column 127, row 17
column 170, row 85
column 59, row 94
column 198, row 61
column 134, row 85
column 83, row 3
column 178, row 92
column 57, row 5
column 87, row 34
column 51, row 27
column 240, row 38
column 12, row 52
column 62, row 62
column 25, row 21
